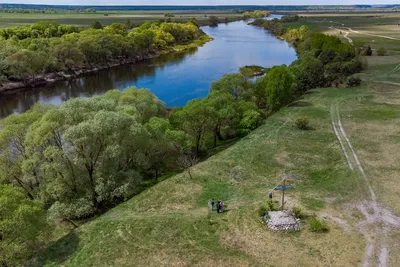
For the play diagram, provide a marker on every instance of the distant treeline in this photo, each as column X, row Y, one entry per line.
column 201, row 8
column 48, row 47
column 45, row 10
column 256, row 14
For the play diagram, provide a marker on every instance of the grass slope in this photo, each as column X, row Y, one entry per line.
column 169, row 224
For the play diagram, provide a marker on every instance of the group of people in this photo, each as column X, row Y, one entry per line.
column 220, row 206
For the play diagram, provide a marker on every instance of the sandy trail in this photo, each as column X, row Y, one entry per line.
column 346, row 34
column 378, row 221
column 375, row 35
column 393, row 83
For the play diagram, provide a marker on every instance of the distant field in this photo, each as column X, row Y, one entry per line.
column 106, row 18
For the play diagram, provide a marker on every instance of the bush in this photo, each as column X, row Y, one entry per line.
column 317, row 226
column 302, row 123
column 297, row 212
column 381, row 51
column 270, row 205
column 262, row 211
column 353, row 81
column 367, row 51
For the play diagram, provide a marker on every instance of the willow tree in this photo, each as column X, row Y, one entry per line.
column 279, row 87
column 22, row 222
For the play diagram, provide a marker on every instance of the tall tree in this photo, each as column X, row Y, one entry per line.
column 22, row 222
column 279, row 87
column 196, row 118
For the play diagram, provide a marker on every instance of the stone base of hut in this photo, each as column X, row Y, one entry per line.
column 282, row 221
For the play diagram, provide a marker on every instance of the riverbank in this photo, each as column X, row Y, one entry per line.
column 49, row 78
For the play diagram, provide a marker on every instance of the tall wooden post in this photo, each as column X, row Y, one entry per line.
column 283, row 192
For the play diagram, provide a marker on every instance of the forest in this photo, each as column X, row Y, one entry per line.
column 77, row 160
column 46, row 47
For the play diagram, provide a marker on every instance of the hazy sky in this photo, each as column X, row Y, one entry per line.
column 200, row 2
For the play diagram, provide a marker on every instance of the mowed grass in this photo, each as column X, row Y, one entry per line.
column 107, row 18
column 169, row 224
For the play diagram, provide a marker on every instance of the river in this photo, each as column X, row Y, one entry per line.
column 175, row 78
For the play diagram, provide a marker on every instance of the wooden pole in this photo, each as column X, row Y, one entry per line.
column 283, row 193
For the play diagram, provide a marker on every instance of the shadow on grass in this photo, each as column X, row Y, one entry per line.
column 58, row 251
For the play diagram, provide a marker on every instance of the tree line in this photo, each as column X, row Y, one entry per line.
column 47, row 47
column 323, row 60
column 81, row 158
column 45, row 10
column 256, row 14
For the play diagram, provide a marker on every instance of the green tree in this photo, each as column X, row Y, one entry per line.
column 96, row 25
column 235, row 84
column 67, row 53
column 22, row 222
column 309, row 72
column 14, row 157
column 169, row 15
column 196, row 118
column 226, row 113
column 213, row 21
column 279, row 87
column 164, row 143
column 25, row 64
column 381, row 51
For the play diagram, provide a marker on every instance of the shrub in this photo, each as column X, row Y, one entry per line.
column 353, row 81
column 381, row 51
column 297, row 212
column 367, row 51
column 302, row 123
column 317, row 226
column 262, row 211
column 270, row 205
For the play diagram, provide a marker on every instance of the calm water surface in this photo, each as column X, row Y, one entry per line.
column 175, row 79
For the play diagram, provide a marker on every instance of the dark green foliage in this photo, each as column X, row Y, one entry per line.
column 317, row 226
column 169, row 15
column 290, row 18
column 381, row 51
column 353, row 81
column 302, row 123
column 270, row 205
column 45, row 29
column 22, row 222
column 274, row 26
column 297, row 212
column 367, row 51
column 213, row 21
column 262, row 211
column 46, row 47
column 96, row 25
column 280, row 85
column 256, row 14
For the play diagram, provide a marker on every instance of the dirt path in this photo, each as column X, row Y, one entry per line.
column 393, row 83
column 378, row 221
column 346, row 34
column 375, row 35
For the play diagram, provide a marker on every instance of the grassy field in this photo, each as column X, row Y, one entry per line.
column 106, row 18
column 169, row 224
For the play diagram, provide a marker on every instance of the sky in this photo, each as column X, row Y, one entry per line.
column 200, row 2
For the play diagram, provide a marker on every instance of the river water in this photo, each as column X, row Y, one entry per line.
column 174, row 78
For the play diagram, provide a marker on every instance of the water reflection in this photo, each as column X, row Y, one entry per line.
column 174, row 78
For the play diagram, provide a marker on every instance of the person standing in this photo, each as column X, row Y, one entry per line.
column 219, row 206
column 210, row 205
